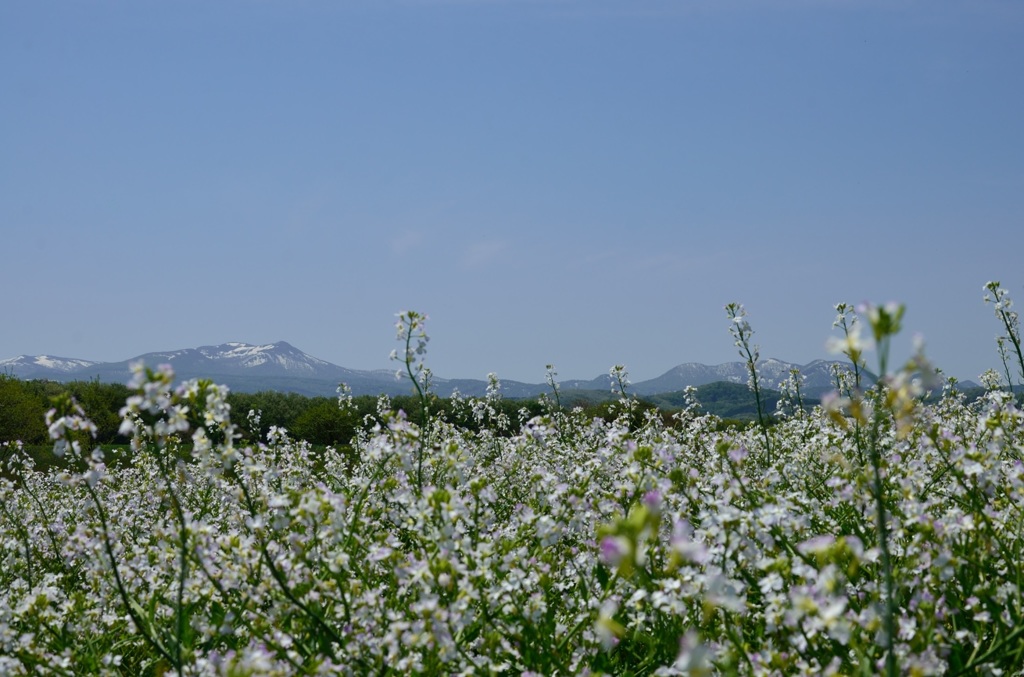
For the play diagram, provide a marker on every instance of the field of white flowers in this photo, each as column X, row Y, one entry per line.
column 877, row 533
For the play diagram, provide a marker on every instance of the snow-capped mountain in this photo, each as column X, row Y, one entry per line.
column 283, row 367
column 240, row 366
column 42, row 366
column 279, row 358
column 280, row 354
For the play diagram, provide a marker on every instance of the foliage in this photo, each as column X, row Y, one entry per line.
column 323, row 422
column 21, row 412
column 723, row 399
column 23, row 404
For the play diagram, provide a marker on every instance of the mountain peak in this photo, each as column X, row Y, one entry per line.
column 281, row 355
column 44, row 363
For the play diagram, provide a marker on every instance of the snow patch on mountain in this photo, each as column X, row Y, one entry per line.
column 281, row 354
column 60, row 364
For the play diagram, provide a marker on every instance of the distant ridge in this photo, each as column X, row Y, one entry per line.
column 43, row 366
column 243, row 367
column 280, row 366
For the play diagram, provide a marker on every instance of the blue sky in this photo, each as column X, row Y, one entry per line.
column 577, row 182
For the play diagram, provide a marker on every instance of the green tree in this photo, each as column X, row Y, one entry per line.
column 323, row 422
column 102, row 403
column 22, row 412
column 276, row 409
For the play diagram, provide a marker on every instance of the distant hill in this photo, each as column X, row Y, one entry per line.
column 726, row 400
column 245, row 367
column 772, row 373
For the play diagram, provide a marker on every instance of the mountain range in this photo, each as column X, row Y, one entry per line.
column 280, row 366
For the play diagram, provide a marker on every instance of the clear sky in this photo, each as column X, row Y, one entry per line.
column 576, row 182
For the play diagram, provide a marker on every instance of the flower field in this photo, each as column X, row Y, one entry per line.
column 880, row 532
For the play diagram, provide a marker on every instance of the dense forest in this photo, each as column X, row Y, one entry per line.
column 320, row 421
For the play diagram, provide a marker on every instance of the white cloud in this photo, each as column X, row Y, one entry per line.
column 406, row 241
column 482, row 253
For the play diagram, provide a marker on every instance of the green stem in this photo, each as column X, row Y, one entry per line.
column 423, row 409
column 282, row 580
column 142, row 627
column 1013, row 333
column 881, row 525
column 756, row 387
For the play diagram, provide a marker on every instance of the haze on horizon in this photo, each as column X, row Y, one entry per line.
column 572, row 182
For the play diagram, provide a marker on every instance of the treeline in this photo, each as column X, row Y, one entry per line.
column 319, row 420
column 23, row 407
